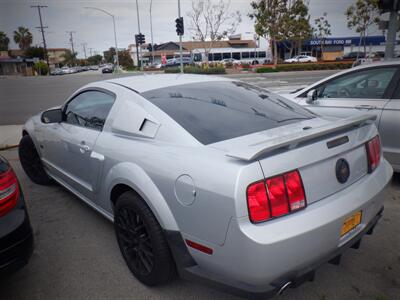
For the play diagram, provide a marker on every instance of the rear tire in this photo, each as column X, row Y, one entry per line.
column 31, row 162
column 142, row 242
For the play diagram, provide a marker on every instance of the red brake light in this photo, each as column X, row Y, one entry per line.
column 284, row 194
column 257, row 202
column 277, row 196
column 9, row 191
column 374, row 153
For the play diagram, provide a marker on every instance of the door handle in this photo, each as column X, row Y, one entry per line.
column 365, row 106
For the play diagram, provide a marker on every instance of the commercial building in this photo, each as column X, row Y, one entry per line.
column 234, row 47
column 15, row 66
column 332, row 48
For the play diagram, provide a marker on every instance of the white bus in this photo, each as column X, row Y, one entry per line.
column 245, row 55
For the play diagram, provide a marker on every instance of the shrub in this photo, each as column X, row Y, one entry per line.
column 304, row 67
column 41, row 68
column 197, row 70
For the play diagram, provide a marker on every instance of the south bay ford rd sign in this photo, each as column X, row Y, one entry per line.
column 371, row 40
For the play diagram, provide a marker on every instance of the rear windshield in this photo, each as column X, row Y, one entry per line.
column 217, row 111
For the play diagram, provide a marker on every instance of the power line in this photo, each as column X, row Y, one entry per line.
column 42, row 30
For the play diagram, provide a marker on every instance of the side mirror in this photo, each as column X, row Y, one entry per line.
column 311, row 96
column 52, row 116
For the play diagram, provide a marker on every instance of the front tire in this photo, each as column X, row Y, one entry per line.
column 31, row 162
column 141, row 241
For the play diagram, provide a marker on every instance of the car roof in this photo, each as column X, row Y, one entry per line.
column 144, row 83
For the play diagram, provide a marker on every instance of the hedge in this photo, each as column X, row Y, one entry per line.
column 304, row 67
column 197, row 70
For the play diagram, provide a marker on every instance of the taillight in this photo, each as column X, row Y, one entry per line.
column 275, row 197
column 374, row 153
column 9, row 191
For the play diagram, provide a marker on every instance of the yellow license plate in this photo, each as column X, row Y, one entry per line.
column 351, row 223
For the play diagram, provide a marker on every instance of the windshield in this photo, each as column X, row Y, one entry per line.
column 217, row 111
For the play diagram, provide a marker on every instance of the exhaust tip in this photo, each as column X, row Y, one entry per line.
column 284, row 287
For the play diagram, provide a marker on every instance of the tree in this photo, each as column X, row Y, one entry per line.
column 68, row 57
column 270, row 17
column 109, row 55
column 33, row 52
column 361, row 16
column 125, row 59
column 95, row 59
column 4, row 41
column 41, row 68
column 210, row 22
column 23, row 37
column 322, row 30
column 297, row 20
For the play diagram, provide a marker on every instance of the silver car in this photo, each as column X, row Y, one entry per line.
column 372, row 89
column 212, row 178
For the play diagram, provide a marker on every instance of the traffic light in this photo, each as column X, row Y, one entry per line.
column 140, row 39
column 388, row 5
column 179, row 26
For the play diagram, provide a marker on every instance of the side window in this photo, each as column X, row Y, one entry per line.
column 369, row 84
column 89, row 109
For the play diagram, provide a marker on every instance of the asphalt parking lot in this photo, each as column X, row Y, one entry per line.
column 76, row 257
column 76, row 254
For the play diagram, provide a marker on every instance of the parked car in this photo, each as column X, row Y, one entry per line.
column 214, row 178
column 67, row 70
column 372, row 88
column 352, row 55
column 301, row 59
column 176, row 62
column 16, row 238
column 232, row 61
column 107, row 69
column 56, row 71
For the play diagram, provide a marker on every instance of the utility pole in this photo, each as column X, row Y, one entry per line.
column 151, row 31
column 90, row 51
column 42, row 30
column 180, row 37
column 71, row 40
column 140, row 46
column 84, row 49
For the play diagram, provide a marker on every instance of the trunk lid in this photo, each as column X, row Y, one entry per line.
column 314, row 147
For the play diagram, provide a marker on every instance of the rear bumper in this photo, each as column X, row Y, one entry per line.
column 258, row 259
column 16, row 239
column 292, row 279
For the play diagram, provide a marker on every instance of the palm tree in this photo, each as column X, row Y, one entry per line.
column 23, row 37
column 4, row 41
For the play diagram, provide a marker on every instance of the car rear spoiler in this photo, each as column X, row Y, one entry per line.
column 252, row 151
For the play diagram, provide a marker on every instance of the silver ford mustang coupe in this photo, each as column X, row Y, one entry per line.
column 214, row 179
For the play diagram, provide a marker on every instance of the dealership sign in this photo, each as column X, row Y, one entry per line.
column 369, row 40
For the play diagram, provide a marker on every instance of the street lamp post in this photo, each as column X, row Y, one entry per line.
column 115, row 32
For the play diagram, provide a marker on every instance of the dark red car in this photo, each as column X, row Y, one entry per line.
column 16, row 238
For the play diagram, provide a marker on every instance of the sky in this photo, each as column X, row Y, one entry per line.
column 94, row 28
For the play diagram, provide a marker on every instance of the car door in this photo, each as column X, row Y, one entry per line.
column 389, row 127
column 74, row 138
column 362, row 91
